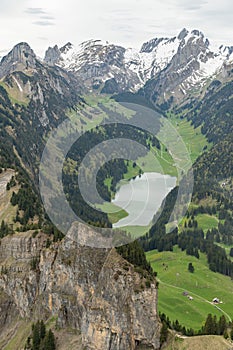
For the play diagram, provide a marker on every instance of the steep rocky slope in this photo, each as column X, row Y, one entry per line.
column 95, row 63
column 172, row 67
column 34, row 98
column 94, row 291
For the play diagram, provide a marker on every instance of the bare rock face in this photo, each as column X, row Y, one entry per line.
column 52, row 55
column 19, row 58
column 8, row 312
column 91, row 290
column 123, row 314
column 95, row 63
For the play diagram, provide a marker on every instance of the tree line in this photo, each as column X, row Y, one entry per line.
column 212, row 326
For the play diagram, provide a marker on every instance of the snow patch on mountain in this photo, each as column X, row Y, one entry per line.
column 189, row 53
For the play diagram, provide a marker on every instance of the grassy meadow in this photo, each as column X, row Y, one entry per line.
column 203, row 285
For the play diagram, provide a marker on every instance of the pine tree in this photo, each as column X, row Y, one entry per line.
column 36, row 336
column 222, row 324
column 196, row 253
column 163, row 333
column 49, row 343
column 215, row 325
column 191, row 267
column 231, row 252
column 231, row 334
column 42, row 330
column 208, row 327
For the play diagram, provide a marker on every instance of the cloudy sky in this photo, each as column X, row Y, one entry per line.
column 127, row 22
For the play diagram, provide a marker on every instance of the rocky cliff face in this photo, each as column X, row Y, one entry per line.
column 94, row 62
column 191, row 68
column 91, row 290
column 20, row 57
column 31, row 81
column 171, row 67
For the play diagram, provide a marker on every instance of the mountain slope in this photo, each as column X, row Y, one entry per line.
column 34, row 99
column 94, row 62
column 171, row 66
column 112, row 304
column 94, row 291
column 189, row 71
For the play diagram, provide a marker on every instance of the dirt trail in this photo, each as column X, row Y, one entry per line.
column 198, row 296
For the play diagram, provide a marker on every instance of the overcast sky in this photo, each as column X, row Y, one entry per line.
column 127, row 22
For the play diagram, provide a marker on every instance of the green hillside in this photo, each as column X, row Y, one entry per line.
column 203, row 285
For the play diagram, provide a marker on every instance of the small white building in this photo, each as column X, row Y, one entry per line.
column 216, row 301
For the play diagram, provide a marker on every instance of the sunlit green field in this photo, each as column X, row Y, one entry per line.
column 206, row 221
column 203, row 285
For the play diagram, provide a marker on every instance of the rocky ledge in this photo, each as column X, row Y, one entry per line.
column 91, row 290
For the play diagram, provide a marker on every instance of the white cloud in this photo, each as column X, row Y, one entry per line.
column 35, row 10
column 125, row 22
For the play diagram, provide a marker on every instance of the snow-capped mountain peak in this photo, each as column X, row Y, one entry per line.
column 188, row 56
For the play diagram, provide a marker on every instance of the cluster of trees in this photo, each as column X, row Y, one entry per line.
column 114, row 169
column 194, row 240
column 40, row 339
column 212, row 326
column 225, row 230
column 217, row 327
column 22, row 148
column 223, row 210
column 215, row 166
column 201, row 209
column 8, row 158
column 51, row 230
column 213, row 112
column 212, row 168
column 27, row 202
column 175, row 326
column 11, row 183
column 5, row 229
column 134, row 253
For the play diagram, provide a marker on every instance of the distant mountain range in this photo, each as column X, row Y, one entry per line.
column 182, row 72
column 179, row 65
column 168, row 69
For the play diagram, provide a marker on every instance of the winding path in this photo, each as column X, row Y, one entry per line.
column 196, row 295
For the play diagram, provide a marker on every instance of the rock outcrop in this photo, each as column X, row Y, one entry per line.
column 169, row 68
column 91, row 290
column 19, row 58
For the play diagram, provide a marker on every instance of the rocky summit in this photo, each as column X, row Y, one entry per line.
column 177, row 64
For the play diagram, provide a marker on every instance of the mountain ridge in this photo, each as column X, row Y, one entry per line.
column 189, row 54
column 164, row 69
